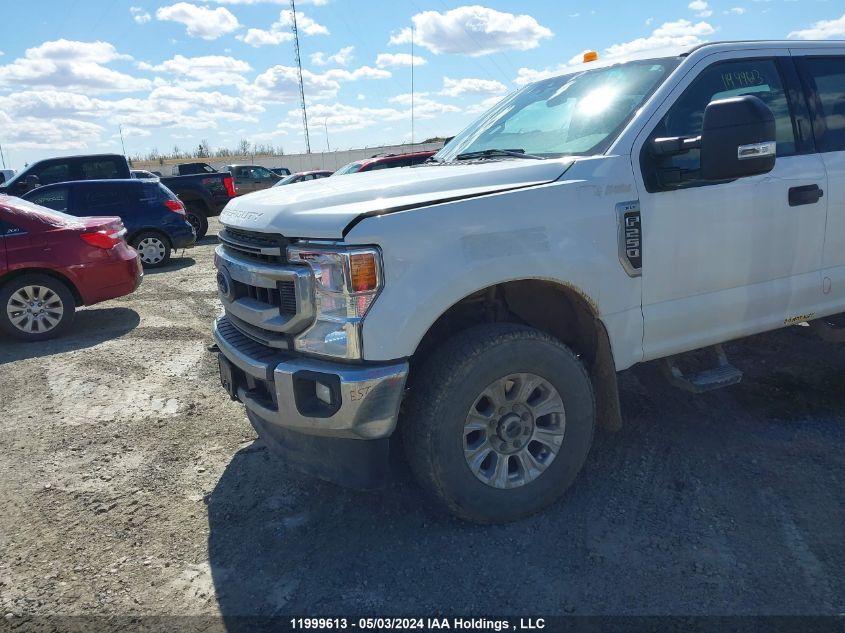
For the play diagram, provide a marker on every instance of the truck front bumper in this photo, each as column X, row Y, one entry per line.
column 307, row 396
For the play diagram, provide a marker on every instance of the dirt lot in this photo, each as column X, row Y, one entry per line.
column 129, row 484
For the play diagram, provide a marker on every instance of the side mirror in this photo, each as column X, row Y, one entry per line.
column 737, row 139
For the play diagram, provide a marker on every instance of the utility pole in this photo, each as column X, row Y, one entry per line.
column 326, row 128
column 3, row 157
column 120, row 129
column 412, row 86
column 299, row 70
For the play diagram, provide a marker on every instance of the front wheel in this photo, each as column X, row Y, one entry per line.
column 35, row 307
column 153, row 248
column 499, row 422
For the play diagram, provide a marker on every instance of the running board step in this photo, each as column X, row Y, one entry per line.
column 830, row 329
column 722, row 375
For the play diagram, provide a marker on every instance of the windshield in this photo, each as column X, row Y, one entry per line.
column 350, row 168
column 286, row 181
column 576, row 114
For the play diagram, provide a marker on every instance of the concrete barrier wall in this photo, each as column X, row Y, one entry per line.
column 294, row 162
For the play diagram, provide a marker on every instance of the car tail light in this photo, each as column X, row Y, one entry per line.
column 229, row 183
column 175, row 205
column 105, row 238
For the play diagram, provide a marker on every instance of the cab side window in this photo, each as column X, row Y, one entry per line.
column 55, row 199
column 758, row 77
column 57, row 172
column 99, row 169
column 827, row 76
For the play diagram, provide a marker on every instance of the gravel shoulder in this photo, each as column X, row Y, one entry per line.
column 130, row 484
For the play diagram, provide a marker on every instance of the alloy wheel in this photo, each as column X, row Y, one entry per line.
column 35, row 309
column 514, row 430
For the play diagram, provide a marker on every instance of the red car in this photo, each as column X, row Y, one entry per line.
column 51, row 262
column 384, row 161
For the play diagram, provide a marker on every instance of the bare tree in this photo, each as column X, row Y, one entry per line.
column 243, row 147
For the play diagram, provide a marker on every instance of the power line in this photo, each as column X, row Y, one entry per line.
column 299, row 71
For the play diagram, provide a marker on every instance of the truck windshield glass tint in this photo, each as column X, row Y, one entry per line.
column 576, row 114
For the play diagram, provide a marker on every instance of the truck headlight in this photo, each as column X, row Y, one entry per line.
column 347, row 281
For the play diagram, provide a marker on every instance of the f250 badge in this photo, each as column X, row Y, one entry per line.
column 630, row 237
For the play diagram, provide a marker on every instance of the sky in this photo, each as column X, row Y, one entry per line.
column 73, row 73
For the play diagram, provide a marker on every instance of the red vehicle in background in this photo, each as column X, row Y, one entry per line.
column 384, row 161
column 51, row 262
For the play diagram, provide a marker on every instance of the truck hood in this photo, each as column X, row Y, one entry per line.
column 324, row 208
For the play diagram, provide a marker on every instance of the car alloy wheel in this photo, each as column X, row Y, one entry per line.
column 35, row 309
column 152, row 250
column 514, row 430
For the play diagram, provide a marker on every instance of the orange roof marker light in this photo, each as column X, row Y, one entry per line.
column 590, row 56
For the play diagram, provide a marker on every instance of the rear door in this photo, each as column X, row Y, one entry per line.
column 823, row 74
column 105, row 199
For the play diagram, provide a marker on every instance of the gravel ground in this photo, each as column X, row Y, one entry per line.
column 129, row 484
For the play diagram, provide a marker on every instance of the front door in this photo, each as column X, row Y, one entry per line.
column 723, row 260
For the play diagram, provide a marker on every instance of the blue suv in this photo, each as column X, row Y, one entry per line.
column 152, row 214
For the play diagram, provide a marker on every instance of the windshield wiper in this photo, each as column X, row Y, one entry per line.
column 491, row 153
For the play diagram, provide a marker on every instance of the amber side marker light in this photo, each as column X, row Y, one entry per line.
column 363, row 269
column 590, row 56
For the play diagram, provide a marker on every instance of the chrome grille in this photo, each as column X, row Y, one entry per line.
column 287, row 297
column 261, row 247
column 267, row 302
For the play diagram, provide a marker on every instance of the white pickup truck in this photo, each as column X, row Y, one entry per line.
column 478, row 307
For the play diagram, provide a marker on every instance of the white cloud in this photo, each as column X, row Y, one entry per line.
column 341, row 117
column 821, row 30
column 669, row 34
column 29, row 133
column 281, row 84
column 315, row 3
column 458, row 87
column 473, row 30
column 342, row 57
column 68, row 64
column 667, row 38
column 364, row 72
column 701, row 8
column 206, row 70
column 140, row 15
column 424, row 106
column 280, row 31
column 260, row 37
column 735, row 11
column 483, row 106
column 201, row 22
column 383, row 60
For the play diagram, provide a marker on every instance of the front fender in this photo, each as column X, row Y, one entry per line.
column 564, row 232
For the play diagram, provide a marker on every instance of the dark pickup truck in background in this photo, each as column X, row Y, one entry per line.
column 204, row 194
column 189, row 169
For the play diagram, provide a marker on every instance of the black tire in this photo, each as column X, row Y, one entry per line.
column 448, row 386
column 58, row 289
column 195, row 214
column 149, row 257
